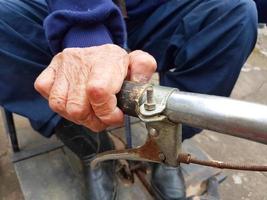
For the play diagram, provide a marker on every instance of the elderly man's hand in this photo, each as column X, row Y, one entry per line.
column 81, row 83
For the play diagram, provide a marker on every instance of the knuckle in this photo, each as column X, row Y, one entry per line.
column 92, row 49
column 58, row 56
column 110, row 46
column 39, row 85
column 97, row 92
column 67, row 50
column 113, row 47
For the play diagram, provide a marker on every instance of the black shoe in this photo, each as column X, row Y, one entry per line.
column 168, row 182
column 100, row 182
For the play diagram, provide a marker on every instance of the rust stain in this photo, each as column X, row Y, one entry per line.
column 150, row 150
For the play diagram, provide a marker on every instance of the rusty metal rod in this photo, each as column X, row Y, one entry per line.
column 144, row 182
column 188, row 159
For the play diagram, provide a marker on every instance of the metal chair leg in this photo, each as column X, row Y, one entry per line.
column 10, row 129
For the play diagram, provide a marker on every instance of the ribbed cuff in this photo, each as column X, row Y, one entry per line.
column 87, row 36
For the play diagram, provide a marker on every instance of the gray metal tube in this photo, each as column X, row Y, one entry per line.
column 224, row 115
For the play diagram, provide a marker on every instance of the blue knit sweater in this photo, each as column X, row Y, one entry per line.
column 83, row 23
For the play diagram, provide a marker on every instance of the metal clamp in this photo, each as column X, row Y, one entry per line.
column 155, row 103
column 164, row 137
column 163, row 109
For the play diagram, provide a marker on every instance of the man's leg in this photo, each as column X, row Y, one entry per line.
column 200, row 46
column 24, row 53
column 262, row 10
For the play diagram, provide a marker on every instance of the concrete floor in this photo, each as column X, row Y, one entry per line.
column 251, row 86
column 9, row 186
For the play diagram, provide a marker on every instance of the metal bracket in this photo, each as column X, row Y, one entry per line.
column 164, row 137
column 159, row 97
column 168, row 137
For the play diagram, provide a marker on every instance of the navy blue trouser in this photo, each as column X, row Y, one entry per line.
column 262, row 10
column 200, row 46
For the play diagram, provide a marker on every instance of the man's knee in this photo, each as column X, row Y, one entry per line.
column 248, row 11
column 224, row 16
column 240, row 18
column 244, row 10
column 248, row 23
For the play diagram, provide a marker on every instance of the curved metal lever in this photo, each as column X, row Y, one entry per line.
column 162, row 146
column 149, row 152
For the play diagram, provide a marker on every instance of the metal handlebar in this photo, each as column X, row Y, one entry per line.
column 224, row 115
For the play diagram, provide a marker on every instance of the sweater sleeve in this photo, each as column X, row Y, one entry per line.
column 83, row 23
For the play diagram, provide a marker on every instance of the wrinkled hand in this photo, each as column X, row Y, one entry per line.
column 81, row 83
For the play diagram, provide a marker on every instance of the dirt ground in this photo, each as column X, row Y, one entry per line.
column 251, row 86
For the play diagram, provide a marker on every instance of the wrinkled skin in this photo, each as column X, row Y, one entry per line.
column 81, row 83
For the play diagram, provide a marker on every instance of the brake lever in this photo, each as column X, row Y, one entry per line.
column 163, row 144
column 164, row 138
